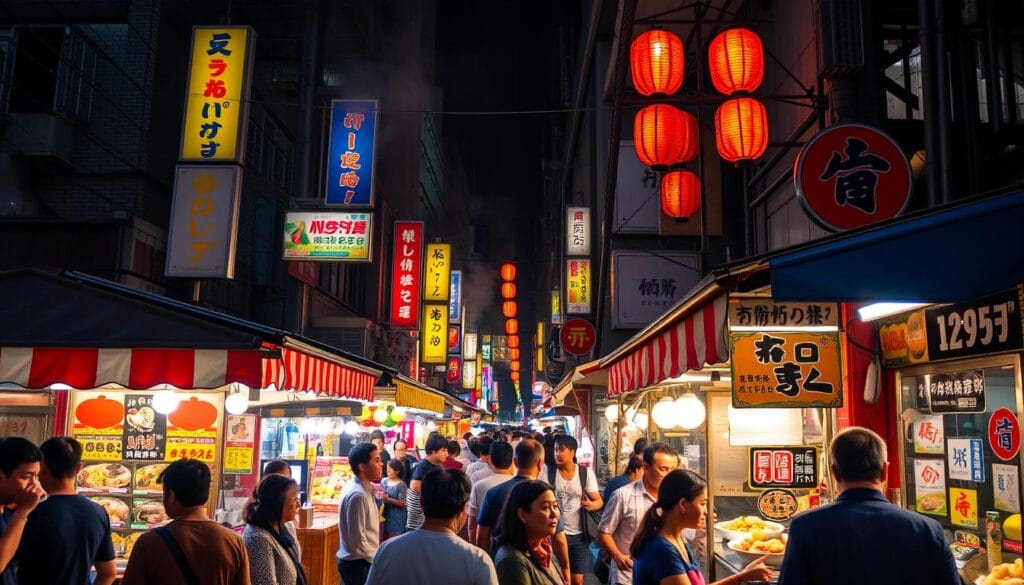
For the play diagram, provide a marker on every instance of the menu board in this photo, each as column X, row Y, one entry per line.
column 930, row 486
column 145, row 430
column 330, row 474
column 99, row 425
column 239, row 443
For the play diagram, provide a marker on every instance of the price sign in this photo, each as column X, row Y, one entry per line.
column 990, row 325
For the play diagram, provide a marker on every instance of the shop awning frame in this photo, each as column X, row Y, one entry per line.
column 405, row 391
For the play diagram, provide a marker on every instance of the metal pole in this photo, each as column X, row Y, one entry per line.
column 941, row 63
column 992, row 88
column 931, row 91
column 307, row 93
column 197, row 288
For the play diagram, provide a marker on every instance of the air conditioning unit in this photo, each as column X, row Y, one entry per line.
column 841, row 37
column 352, row 334
column 41, row 135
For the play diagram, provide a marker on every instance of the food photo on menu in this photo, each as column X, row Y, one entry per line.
column 104, row 478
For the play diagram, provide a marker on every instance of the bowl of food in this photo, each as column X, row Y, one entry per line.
column 757, row 545
column 745, row 526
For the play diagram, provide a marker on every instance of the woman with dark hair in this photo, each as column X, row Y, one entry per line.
column 660, row 557
column 274, row 557
column 527, row 522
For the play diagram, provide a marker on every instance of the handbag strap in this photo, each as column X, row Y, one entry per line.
column 178, row 554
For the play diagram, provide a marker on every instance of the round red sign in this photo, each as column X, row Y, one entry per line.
column 578, row 336
column 850, row 176
column 1004, row 433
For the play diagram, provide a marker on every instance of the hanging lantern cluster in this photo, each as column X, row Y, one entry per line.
column 666, row 138
column 509, row 310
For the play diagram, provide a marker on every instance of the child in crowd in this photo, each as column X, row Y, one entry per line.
column 394, row 500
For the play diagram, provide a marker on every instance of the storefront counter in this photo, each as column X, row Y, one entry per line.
column 320, row 549
column 728, row 563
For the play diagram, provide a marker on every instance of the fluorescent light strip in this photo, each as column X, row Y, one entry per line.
column 879, row 310
column 810, row 328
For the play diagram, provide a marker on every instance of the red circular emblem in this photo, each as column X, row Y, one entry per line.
column 1004, row 433
column 850, row 176
column 578, row 336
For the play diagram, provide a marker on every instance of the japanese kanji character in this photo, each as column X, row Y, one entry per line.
column 857, row 174
column 761, row 315
column 408, row 236
column 195, row 232
column 405, row 264
column 219, row 44
column 668, row 287
column 814, row 316
column 206, row 110
column 215, row 88
column 350, row 160
column 354, row 120
column 788, row 376
column 405, row 280
column 743, row 315
column 209, row 129
column 769, row 349
column 435, row 314
column 779, row 315
column 349, row 179
column 812, row 385
column 648, row 286
column 806, row 352
column 796, row 316
column 209, row 149
column 217, row 67
column 202, row 206
column 199, row 250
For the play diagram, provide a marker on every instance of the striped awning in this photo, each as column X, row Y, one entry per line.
column 698, row 339
column 411, row 396
column 139, row 369
column 299, row 371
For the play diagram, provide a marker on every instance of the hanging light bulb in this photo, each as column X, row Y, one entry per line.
column 612, row 412
column 351, row 427
column 690, row 411
column 235, row 403
column 166, row 401
column 664, row 413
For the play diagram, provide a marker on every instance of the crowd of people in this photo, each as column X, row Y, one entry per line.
column 503, row 509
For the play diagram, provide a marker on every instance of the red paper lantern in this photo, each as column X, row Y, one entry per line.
column 508, row 290
column 508, row 271
column 514, row 365
column 511, row 327
column 513, row 354
column 664, row 135
column 680, row 194
column 736, row 61
column 656, row 62
column 741, row 129
column 508, row 309
column 513, row 341
column 515, row 376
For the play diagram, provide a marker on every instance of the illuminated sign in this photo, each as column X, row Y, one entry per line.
column 578, row 287
column 327, row 236
column 469, row 374
column 350, row 155
column 405, row 275
column 556, row 308
column 469, row 346
column 455, row 296
column 434, row 337
column 437, row 278
column 577, row 231
column 218, row 93
column 204, row 221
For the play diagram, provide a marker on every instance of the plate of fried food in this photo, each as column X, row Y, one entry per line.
column 1006, row 574
column 146, row 476
column 745, row 526
column 116, row 509
column 123, row 543
column 759, row 544
column 105, row 477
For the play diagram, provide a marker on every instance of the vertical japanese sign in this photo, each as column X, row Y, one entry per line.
column 556, row 308
column 930, row 486
column 485, row 347
column 437, row 277
column 455, row 296
column 454, row 371
column 328, row 235
column 239, row 443
column 434, row 338
column 455, row 339
column 204, row 221
column 966, row 460
column 469, row 374
column 405, row 275
column 786, row 370
column 577, row 231
column 577, row 287
column 929, row 433
column 216, row 105
column 1006, row 487
column 469, row 346
column 350, row 154
column 145, row 430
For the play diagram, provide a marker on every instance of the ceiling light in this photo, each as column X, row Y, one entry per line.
column 879, row 310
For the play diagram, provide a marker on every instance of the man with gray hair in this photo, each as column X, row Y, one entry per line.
column 861, row 537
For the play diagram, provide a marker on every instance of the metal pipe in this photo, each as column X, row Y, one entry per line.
column 992, row 88
column 307, row 93
column 771, row 162
column 748, row 228
column 932, row 134
column 941, row 63
column 770, row 188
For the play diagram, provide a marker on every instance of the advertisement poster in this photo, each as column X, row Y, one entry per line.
column 98, row 425
column 929, row 435
column 577, row 287
column 783, row 467
column 556, row 308
column 145, row 430
column 192, row 430
column 1006, row 487
column 406, row 260
column 351, row 153
column 904, row 339
column 329, row 476
column 963, row 507
column 930, row 486
column 786, row 370
column 239, row 443
column 966, row 460
column 956, row 392
column 328, row 236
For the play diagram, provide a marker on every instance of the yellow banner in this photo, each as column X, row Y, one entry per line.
column 437, row 275
column 217, row 90
column 408, row 395
column 434, row 338
column 780, row 370
column 578, row 287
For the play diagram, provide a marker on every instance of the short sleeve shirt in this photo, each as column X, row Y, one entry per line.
column 422, row 469
column 63, row 537
column 570, row 498
column 658, row 559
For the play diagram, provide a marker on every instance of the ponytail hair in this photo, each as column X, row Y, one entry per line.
column 681, row 484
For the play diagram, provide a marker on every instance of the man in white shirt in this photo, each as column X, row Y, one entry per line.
column 358, row 517
column 573, row 498
column 481, row 468
column 500, row 456
column 433, row 553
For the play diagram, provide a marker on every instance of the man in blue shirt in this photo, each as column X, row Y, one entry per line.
column 861, row 537
column 19, row 486
column 67, row 534
column 529, row 461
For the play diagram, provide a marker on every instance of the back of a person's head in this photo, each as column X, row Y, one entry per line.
column 654, row 448
column 501, row 454
column 466, row 436
column 377, row 434
column 268, row 500
column 528, row 453
column 483, row 445
column 640, row 445
column 361, row 454
column 454, row 449
column 435, row 442
column 189, row 480
column 636, row 463
column 279, row 466
column 473, row 444
column 61, row 456
column 858, row 454
column 16, row 451
column 444, row 493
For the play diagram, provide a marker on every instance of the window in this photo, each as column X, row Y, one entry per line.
column 76, row 74
column 34, row 78
column 903, row 79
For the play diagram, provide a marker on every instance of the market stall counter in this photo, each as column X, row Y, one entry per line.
column 319, row 542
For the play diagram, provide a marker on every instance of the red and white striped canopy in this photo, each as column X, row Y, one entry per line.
column 302, row 372
column 697, row 340
column 139, row 369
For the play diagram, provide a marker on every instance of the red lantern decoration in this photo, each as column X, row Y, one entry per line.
column 664, row 135
column 508, row 290
column 680, row 194
column 656, row 62
column 508, row 309
column 736, row 61
column 515, row 376
column 513, row 341
column 741, row 129
column 514, row 365
column 513, row 354
column 508, row 272
column 511, row 327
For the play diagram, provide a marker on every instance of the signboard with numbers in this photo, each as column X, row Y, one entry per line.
column 990, row 325
column 406, row 261
column 328, row 236
column 577, row 231
column 350, row 155
column 786, row 370
column 954, row 392
column 782, row 467
column 764, row 314
column 437, row 275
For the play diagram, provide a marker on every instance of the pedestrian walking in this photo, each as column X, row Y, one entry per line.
column 395, row 516
column 578, row 496
column 192, row 549
column 869, row 539
column 409, row 462
column 500, row 458
column 659, row 553
column 377, row 438
column 358, row 516
column 527, row 523
column 452, row 460
column 434, row 553
column 67, row 534
column 274, row 557
column 436, row 451
column 481, row 468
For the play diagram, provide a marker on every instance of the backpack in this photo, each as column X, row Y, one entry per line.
column 589, row 520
